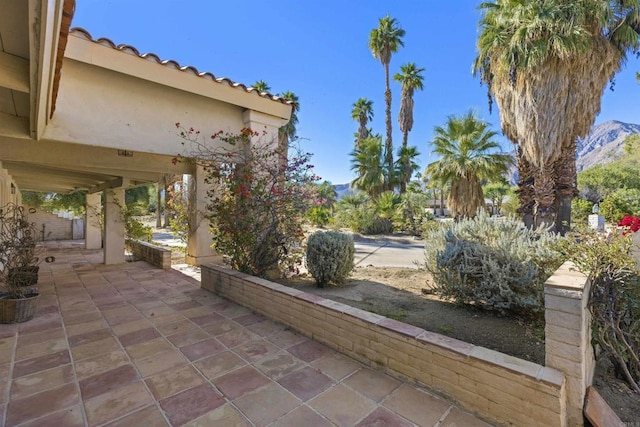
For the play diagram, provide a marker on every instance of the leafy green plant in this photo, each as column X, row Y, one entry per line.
column 614, row 301
column 329, row 257
column 318, row 216
column 412, row 213
column 493, row 263
column 625, row 201
column 358, row 213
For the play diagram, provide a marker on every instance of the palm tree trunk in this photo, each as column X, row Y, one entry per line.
column 544, row 188
column 566, row 188
column 389, row 142
column 525, row 189
column 405, row 165
column 441, row 201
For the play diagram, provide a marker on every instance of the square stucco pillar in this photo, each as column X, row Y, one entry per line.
column 114, row 226
column 199, row 240
column 92, row 226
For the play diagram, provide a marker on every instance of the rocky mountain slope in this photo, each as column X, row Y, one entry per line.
column 604, row 144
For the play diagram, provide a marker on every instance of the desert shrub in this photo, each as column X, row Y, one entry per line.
column 377, row 225
column 412, row 213
column 614, row 301
column 625, row 201
column 329, row 257
column 493, row 263
column 580, row 211
column 318, row 216
column 359, row 214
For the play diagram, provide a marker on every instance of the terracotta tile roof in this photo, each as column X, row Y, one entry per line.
column 68, row 9
column 173, row 64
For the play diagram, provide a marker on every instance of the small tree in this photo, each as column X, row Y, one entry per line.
column 258, row 196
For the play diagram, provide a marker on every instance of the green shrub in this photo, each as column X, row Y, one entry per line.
column 329, row 257
column 318, row 216
column 493, row 263
column 361, row 218
column 580, row 211
column 377, row 225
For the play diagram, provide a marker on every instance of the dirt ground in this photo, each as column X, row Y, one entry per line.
column 405, row 294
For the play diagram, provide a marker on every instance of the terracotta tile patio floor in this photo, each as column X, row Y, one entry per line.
column 132, row 345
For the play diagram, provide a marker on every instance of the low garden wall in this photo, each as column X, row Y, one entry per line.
column 501, row 389
column 154, row 255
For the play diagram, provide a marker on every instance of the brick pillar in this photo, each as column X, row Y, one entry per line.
column 568, row 335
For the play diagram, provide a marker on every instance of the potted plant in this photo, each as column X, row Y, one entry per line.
column 19, row 265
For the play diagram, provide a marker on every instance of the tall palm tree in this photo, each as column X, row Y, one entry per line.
column 368, row 163
column 384, row 41
column 406, row 165
column 410, row 79
column 467, row 156
column 547, row 63
column 261, row 86
column 362, row 112
column 288, row 132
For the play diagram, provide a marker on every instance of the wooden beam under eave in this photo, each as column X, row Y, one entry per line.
column 116, row 183
column 14, row 127
column 14, row 72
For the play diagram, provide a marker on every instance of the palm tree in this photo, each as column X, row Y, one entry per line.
column 362, row 111
column 466, row 149
column 384, row 41
column 406, row 165
column 547, row 63
column 411, row 79
column 288, row 132
column 261, row 86
column 367, row 162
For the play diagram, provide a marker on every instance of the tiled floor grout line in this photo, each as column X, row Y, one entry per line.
column 71, row 358
column 12, row 363
column 130, row 360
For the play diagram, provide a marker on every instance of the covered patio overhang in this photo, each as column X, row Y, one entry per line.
column 78, row 113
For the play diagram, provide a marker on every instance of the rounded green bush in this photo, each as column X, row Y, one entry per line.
column 329, row 257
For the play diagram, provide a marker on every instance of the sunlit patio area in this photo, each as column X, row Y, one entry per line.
column 130, row 344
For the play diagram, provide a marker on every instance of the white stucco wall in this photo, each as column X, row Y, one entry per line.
column 105, row 108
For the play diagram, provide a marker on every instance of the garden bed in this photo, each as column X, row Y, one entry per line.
column 404, row 294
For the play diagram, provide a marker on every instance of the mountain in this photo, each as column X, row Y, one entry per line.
column 343, row 190
column 604, row 144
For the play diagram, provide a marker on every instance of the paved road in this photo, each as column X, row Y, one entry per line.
column 378, row 251
column 388, row 251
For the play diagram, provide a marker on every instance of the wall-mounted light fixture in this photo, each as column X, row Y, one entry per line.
column 13, row 188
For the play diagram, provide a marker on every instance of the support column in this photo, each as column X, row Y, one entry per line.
column 114, row 226
column 568, row 335
column 199, row 240
column 92, row 226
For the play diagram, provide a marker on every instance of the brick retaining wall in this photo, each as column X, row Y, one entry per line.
column 154, row 255
column 500, row 388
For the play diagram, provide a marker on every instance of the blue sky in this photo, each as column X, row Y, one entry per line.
column 318, row 49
